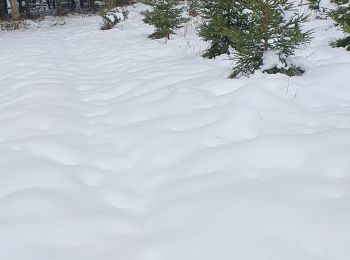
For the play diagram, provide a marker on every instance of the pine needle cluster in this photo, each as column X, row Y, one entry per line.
column 341, row 17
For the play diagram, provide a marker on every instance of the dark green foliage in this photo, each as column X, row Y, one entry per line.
column 267, row 29
column 341, row 16
column 166, row 17
column 221, row 17
column 289, row 71
column 344, row 42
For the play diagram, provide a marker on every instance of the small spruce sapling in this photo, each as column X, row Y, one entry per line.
column 273, row 27
column 166, row 17
column 111, row 15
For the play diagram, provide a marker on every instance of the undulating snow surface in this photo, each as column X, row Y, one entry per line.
column 117, row 147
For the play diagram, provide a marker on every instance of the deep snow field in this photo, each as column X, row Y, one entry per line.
column 117, row 147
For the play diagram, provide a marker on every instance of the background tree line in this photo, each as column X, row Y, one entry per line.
column 16, row 9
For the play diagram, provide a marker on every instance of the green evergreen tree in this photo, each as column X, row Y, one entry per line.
column 166, row 17
column 272, row 26
column 220, row 17
column 341, row 16
column 111, row 15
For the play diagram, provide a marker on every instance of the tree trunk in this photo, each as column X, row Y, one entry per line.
column 20, row 6
column 91, row 5
column 6, row 8
column 27, row 8
column 58, row 8
column 266, row 24
column 14, row 10
column 3, row 14
column 72, row 5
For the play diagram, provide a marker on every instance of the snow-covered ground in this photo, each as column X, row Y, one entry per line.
column 117, row 147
